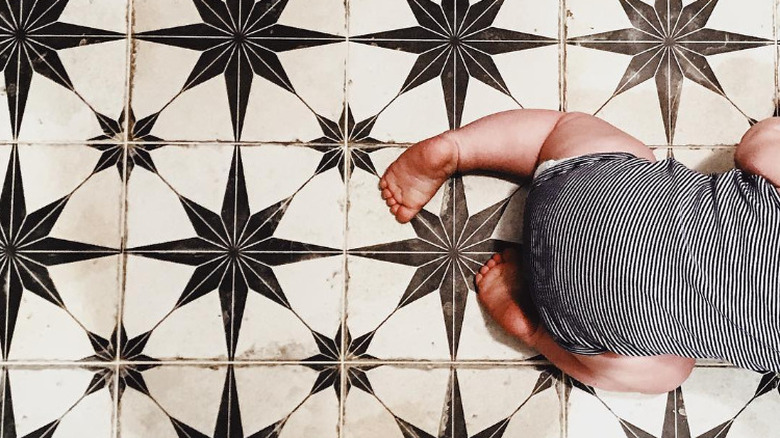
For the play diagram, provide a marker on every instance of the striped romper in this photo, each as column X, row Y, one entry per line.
column 643, row 259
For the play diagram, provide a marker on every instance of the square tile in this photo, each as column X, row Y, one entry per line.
column 61, row 226
column 427, row 308
column 698, row 408
column 403, row 401
column 421, row 68
column 695, row 75
column 65, row 67
column 234, row 253
column 57, row 401
column 239, row 69
column 230, row 401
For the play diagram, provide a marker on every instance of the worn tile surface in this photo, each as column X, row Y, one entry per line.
column 193, row 244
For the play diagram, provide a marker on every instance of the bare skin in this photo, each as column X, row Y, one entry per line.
column 407, row 185
column 498, row 281
column 518, row 141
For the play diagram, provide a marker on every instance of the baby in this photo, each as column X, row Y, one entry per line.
column 630, row 267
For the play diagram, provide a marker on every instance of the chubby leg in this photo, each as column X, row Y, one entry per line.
column 759, row 150
column 512, row 142
column 506, row 142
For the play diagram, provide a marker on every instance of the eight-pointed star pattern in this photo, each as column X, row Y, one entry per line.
column 139, row 143
column 455, row 41
column 448, row 251
column 327, row 362
column 234, row 252
column 30, row 35
column 239, row 39
column 669, row 42
column 128, row 352
column 340, row 135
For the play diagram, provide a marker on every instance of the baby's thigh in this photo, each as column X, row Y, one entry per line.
column 581, row 134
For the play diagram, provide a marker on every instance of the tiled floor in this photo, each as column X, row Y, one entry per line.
column 193, row 244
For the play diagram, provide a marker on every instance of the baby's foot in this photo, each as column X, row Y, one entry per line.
column 412, row 179
column 498, row 283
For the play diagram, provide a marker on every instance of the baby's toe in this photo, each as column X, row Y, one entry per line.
column 386, row 193
column 404, row 214
column 390, row 202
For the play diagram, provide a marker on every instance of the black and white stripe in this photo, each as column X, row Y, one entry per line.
column 642, row 258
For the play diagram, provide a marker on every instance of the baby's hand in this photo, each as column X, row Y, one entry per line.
column 498, row 285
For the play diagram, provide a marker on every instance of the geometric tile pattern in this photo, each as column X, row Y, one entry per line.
column 192, row 242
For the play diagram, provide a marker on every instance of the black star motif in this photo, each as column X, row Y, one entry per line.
column 30, row 36
column 670, row 43
column 26, row 250
column 453, row 422
column 334, row 140
column 239, row 39
column 455, row 42
column 137, row 153
column 448, row 251
column 330, row 351
column 234, row 252
column 129, row 350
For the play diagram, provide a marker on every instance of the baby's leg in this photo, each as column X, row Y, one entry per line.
column 512, row 142
column 506, row 142
column 759, row 150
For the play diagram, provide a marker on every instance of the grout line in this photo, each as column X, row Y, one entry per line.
column 345, row 268
column 563, row 401
column 123, row 221
column 774, row 36
column 562, row 69
column 562, row 85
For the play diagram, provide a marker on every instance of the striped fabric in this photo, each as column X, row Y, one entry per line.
column 642, row 258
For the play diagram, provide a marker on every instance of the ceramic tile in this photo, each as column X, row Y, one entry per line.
column 230, row 401
column 697, row 74
column 60, row 264
column 698, row 408
column 420, row 68
column 425, row 269
column 64, row 68
column 239, row 70
column 63, row 402
column 225, row 259
column 394, row 401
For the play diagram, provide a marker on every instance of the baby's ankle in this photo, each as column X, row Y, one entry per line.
column 447, row 151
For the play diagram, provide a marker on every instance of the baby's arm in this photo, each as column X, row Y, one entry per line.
column 614, row 372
